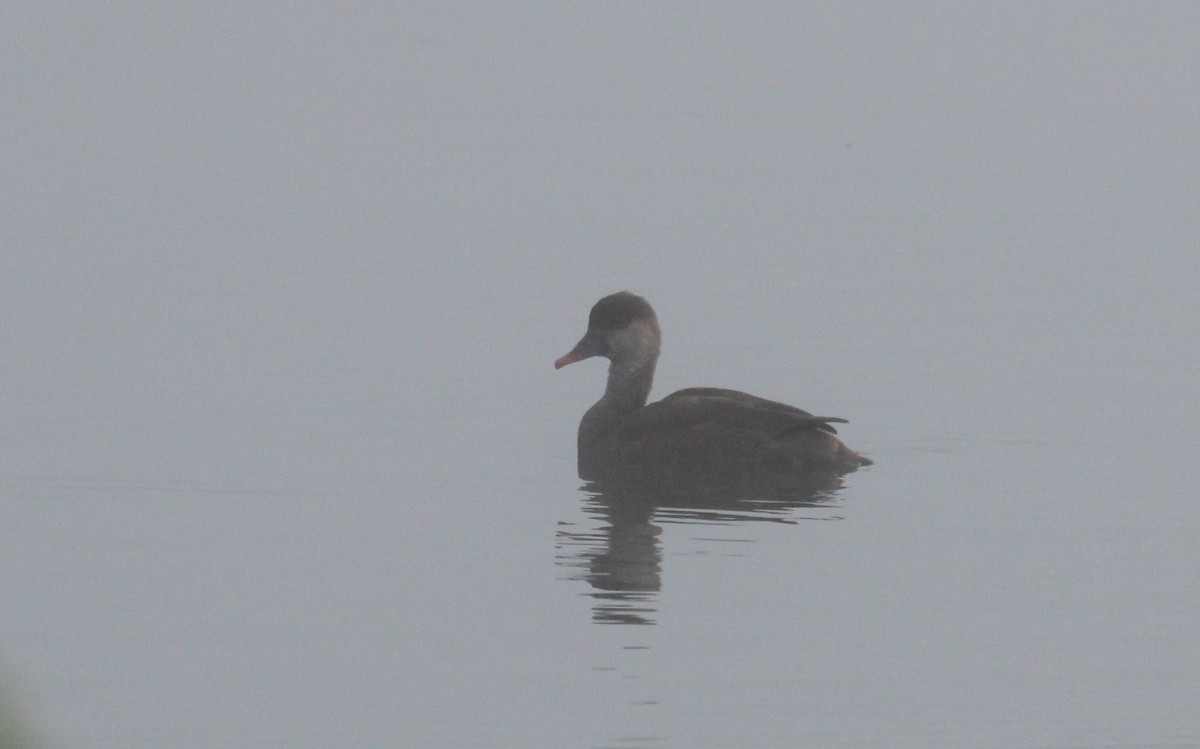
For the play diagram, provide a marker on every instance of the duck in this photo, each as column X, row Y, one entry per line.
column 694, row 432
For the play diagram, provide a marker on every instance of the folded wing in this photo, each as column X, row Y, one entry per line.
column 720, row 408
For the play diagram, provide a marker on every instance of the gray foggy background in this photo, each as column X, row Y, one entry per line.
column 284, row 461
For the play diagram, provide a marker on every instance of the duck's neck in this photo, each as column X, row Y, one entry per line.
column 628, row 385
column 633, row 353
column 627, row 391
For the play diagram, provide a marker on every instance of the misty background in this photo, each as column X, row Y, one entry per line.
column 284, row 461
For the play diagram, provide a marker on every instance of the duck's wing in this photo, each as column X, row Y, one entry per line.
column 721, row 408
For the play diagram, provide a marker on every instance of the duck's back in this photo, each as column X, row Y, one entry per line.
column 718, row 431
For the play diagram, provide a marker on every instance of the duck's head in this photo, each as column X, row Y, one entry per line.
column 623, row 328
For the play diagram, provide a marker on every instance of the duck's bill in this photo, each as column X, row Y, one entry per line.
column 585, row 349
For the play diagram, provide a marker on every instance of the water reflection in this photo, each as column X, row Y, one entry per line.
column 620, row 556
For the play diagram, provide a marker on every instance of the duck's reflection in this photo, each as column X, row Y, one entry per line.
column 620, row 557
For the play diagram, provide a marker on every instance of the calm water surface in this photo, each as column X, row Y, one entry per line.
column 284, row 461
column 1018, row 589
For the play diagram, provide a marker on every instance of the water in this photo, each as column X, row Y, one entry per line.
column 286, row 462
